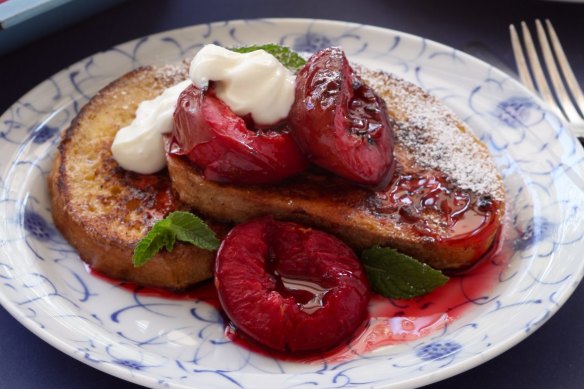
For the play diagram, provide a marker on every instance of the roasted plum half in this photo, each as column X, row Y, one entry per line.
column 226, row 147
column 339, row 121
column 289, row 287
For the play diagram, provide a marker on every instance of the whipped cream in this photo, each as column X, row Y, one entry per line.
column 253, row 83
column 139, row 147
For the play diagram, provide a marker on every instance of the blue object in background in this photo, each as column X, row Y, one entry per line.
column 22, row 21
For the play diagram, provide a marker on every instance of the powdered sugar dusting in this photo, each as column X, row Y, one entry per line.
column 435, row 137
column 173, row 73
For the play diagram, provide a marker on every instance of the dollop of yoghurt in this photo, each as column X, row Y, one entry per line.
column 253, row 83
column 139, row 147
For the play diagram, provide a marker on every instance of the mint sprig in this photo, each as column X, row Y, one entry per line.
column 181, row 226
column 399, row 276
column 287, row 57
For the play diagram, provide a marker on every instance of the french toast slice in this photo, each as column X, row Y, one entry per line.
column 103, row 210
column 444, row 205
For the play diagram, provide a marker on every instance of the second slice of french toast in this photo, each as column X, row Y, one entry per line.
column 444, row 206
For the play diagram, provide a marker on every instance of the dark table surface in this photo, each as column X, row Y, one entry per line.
column 553, row 357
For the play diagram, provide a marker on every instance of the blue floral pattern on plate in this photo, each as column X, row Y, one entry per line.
column 178, row 344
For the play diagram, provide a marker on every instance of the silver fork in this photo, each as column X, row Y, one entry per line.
column 566, row 97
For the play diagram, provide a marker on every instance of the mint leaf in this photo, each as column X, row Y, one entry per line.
column 287, row 57
column 399, row 276
column 182, row 226
column 189, row 228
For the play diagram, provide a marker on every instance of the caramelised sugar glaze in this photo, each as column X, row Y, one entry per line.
column 152, row 192
column 435, row 208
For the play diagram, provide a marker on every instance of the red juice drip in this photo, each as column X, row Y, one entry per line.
column 396, row 321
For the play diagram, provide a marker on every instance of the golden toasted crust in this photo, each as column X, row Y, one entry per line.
column 103, row 210
column 357, row 215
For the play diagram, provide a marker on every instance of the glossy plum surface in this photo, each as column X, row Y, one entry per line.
column 339, row 121
column 290, row 287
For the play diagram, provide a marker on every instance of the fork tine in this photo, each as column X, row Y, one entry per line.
column 563, row 99
column 566, row 69
column 537, row 70
column 522, row 68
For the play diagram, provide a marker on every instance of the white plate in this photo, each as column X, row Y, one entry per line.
column 179, row 343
